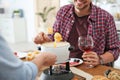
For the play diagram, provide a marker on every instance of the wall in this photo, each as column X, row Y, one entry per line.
column 51, row 17
column 28, row 7
column 64, row 2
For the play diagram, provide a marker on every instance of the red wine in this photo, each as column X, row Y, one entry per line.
column 86, row 48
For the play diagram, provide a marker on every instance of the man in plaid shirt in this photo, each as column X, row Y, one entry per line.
column 84, row 18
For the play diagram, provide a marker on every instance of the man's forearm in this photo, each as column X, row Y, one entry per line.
column 107, row 57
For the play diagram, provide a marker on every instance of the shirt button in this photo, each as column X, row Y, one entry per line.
column 67, row 32
column 72, row 21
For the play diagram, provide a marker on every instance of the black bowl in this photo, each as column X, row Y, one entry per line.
column 65, row 76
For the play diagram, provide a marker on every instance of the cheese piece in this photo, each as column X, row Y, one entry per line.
column 50, row 30
column 57, row 37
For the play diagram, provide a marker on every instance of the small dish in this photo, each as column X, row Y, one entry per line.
column 75, row 61
column 21, row 54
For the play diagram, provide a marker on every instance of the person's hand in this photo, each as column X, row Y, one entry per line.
column 91, row 58
column 44, row 59
column 41, row 38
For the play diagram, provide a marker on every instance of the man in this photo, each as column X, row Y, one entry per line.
column 83, row 18
column 12, row 68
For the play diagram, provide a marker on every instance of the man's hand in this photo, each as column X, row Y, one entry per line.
column 41, row 38
column 91, row 58
column 44, row 59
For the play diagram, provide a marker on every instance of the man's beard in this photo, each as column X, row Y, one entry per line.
column 84, row 7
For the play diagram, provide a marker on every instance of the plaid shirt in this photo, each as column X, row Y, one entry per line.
column 101, row 27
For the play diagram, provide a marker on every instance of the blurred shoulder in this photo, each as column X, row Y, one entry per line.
column 101, row 11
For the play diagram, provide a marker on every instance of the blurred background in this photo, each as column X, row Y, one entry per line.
column 20, row 20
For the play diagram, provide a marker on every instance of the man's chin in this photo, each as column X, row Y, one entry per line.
column 81, row 7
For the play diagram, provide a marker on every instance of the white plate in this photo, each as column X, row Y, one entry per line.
column 21, row 54
column 75, row 61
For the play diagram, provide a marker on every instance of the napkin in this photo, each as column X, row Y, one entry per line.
column 81, row 73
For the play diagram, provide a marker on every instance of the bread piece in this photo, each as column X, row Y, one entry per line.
column 36, row 53
column 114, row 75
column 50, row 30
column 29, row 56
column 78, row 77
column 99, row 77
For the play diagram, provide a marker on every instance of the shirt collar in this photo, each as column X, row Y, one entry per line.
column 93, row 14
column 72, row 9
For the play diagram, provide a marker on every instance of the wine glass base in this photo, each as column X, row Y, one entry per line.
column 90, row 66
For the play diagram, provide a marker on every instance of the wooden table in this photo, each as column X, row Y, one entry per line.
column 98, row 70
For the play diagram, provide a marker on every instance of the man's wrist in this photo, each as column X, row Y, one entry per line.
column 101, row 60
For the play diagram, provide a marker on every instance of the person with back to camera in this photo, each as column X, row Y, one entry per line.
column 84, row 18
column 12, row 68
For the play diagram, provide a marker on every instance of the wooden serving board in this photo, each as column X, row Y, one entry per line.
column 78, row 77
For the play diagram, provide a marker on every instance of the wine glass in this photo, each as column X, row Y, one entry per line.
column 86, row 44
